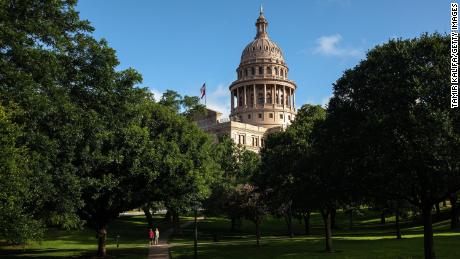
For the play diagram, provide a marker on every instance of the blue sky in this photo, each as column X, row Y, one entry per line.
column 180, row 45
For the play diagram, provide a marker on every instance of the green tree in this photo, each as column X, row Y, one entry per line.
column 18, row 222
column 186, row 165
column 399, row 99
column 42, row 67
column 237, row 166
column 188, row 106
column 81, row 120
column 252, row 205
column 171, row 99
column 120, row 163
column 278, row 175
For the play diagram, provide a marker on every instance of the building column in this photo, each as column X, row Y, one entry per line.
column 278, row 97
column 245, row 103
column 284, row 97
column 238, row 97
column 293, row 103
column 265, row 94
column 232, row 100
column 254, row 103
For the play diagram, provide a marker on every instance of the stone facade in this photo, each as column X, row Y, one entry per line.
column 262, row 98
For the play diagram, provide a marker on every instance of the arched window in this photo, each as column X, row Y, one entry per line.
column 276, row 71
column 269, row 70
column 253, row 71
column 261, row 70
column 246, row 72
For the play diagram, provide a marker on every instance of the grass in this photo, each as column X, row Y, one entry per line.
column 367, row 239
column 83, row 243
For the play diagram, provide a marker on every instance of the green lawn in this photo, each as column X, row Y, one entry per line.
column 367, row 239
column 83, row 243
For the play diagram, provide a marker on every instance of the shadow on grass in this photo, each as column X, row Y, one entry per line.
column 133, row 231
column 135, row 252
column 306, row 248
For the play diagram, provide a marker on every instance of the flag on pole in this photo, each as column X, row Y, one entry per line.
column 203, row 91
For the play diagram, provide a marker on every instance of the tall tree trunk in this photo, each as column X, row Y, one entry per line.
column 306, row 219
column 454, row 211
column 326, row 213
column 289, row 222
column 382, row 217
column 428, row 231
column 168, row 216
column 233, row 224
column 333, row 213
column 350, row 217
column 176, row 223
column 257, row 232
column 102, row 237
column 148, row 216
column 398, row 227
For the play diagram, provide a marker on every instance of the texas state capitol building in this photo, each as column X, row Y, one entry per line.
column 262, row 96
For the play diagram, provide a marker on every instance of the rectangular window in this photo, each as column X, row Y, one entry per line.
column 270, row 115
column 249, row 116
column 261, row 70
column 281, row 116
column 241, row 140
column 260, row 115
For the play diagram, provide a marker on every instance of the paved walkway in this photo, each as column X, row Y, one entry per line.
column 161, row 251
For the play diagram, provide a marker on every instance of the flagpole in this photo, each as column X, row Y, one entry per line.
column 203, row 93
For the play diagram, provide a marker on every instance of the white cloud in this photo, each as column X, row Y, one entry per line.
column 156, row 94
column 218, row 99
column 329, row 46
column 325, row 100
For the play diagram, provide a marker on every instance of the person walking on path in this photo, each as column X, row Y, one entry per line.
column 157, row 236
column 151, row 236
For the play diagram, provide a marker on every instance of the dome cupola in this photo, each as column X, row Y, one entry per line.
column 263, row 95
column 262, row 47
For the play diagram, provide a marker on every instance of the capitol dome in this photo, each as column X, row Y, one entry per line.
column 262, row 47
column 262, row 95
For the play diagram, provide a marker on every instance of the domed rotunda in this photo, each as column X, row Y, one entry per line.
column 262, row 95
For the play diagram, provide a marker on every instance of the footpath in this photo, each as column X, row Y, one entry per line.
column 161, row 251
